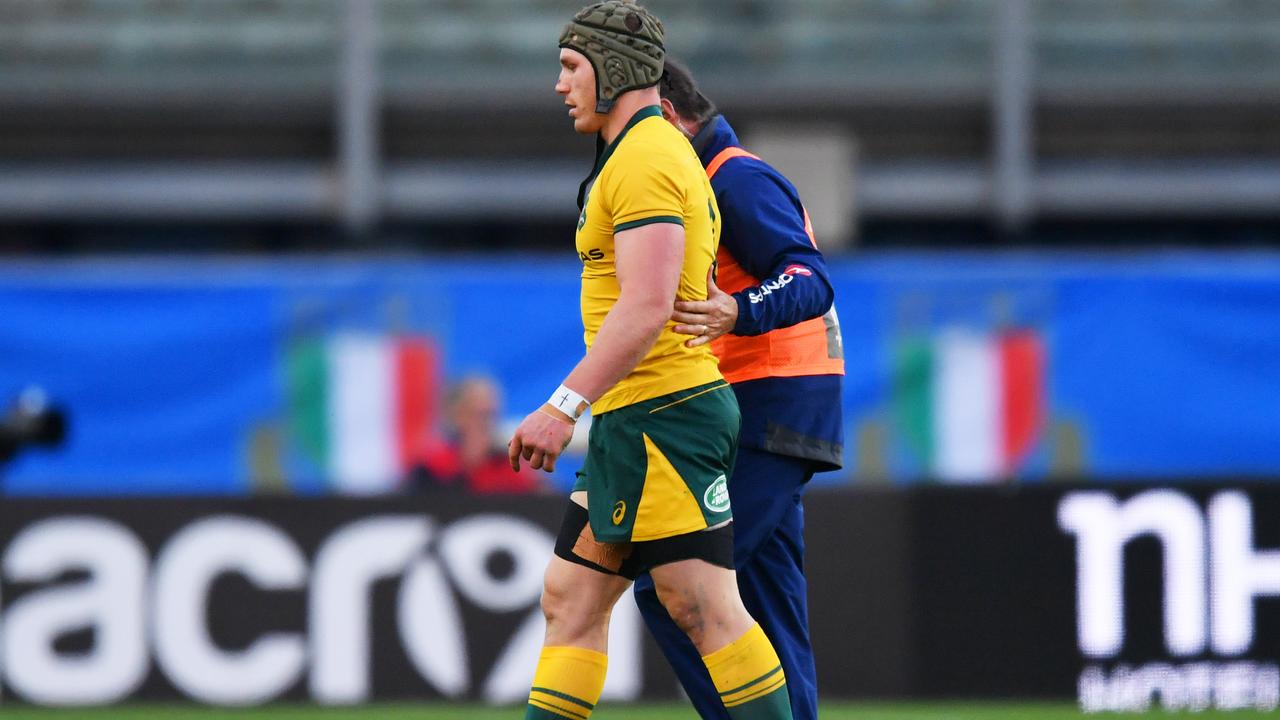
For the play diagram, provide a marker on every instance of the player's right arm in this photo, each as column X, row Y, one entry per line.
column 648, row 261
column 645, row 201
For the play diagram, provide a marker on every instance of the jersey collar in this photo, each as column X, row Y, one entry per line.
column 702, row 139
column 715, row 135
column 604, row 152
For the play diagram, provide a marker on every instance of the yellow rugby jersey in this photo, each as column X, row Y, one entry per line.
column 649, row 174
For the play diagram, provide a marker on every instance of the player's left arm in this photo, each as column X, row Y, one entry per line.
column 764, row 230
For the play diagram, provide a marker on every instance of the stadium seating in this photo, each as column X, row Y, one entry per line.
column 257, row 81
column 820, row 43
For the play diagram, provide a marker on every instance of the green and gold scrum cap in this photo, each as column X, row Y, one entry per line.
column 623, row 41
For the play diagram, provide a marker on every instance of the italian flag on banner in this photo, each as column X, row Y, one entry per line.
column 970, row 404
column 361, row 405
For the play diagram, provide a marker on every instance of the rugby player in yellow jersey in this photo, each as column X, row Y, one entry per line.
column 652, row 493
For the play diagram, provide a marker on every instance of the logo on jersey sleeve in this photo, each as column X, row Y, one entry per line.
column 769, row 287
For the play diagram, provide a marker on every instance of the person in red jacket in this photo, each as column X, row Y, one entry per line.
column 469, row 456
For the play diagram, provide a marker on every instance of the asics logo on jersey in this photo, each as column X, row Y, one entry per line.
column 619, row 511
column 592, row 254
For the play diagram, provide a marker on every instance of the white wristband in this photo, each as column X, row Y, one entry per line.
column 568, row 402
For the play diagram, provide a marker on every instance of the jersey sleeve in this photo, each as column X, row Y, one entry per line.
column 643, row 189
column 764, row 230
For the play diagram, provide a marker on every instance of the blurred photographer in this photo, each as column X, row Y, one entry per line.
column 31, row 421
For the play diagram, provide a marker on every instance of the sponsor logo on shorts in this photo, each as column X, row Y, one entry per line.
column 716, row 498
column 798, row 270
column 619, row 511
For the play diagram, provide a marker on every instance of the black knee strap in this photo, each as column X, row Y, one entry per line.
column 631, row 559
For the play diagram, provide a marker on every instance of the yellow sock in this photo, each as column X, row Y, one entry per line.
column 567, row 684
column 749, row 677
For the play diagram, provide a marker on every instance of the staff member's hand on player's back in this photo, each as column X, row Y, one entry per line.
column 540, row 439
column 707, row 319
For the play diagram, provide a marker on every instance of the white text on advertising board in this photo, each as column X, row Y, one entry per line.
column 1212, row 575
column 143, row 610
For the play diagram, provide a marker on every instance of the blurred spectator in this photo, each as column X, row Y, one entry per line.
column 469, row 455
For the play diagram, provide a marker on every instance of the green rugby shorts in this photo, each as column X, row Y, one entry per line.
column 660, row 467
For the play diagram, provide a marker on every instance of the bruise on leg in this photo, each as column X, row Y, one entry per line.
column 703, row 601
column 684, row 603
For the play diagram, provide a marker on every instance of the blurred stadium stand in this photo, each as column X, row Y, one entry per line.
column 190, row 434
column 369, row 112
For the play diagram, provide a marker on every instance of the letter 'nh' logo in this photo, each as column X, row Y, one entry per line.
column 1213, row 573
column 619, row 511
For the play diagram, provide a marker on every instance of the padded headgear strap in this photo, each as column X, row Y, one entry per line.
column 623, row 42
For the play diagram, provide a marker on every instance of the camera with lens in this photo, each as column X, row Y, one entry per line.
column 32, row 421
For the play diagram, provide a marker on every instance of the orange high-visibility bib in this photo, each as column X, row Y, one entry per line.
column 812, row 347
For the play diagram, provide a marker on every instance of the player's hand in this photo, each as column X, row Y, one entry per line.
column 540, row 439
column 706, row 319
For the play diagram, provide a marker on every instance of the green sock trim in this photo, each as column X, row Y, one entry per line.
column 757, row 681
column 564, row 696
column 536, row 712
column 775, row 705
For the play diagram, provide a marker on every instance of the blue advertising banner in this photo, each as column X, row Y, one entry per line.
column 234, row 376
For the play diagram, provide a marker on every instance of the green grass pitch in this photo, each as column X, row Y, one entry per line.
column 829, row 711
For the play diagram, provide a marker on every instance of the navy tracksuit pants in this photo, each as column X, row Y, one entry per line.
column 768, row 540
